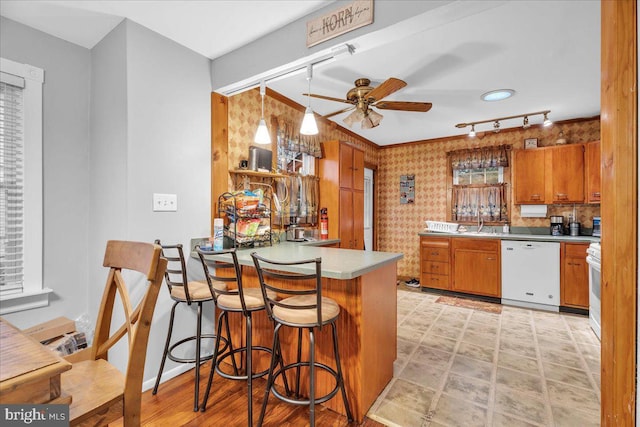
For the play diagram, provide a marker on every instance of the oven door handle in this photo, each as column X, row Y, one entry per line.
column 595, row 263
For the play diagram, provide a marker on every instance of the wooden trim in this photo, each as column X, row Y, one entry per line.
column 219, row 150
column 619, row 211
column 480, row 135
column 291, row 103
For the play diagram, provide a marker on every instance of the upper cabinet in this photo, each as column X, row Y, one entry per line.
column 351, row 168
column 529, row 176
column 566, row 173
column 592, row 171
column 550, row 175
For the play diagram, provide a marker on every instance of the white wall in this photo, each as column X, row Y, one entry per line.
column 129, row 118
column 66, row 96
column 168, row 151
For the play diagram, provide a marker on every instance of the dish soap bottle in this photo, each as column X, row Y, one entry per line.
column 505, row 228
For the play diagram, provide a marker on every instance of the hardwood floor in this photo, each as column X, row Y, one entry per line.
column 227, row 406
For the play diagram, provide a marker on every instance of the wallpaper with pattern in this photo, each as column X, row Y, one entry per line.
column 398, row 224
column 244, row 115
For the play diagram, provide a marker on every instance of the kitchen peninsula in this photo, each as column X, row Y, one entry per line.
column 363, row 283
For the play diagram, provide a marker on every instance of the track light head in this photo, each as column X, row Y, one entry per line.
column 525, row 123
column 546, row 121
column 496, row 126
column 472, row 133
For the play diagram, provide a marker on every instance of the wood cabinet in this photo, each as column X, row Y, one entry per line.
column 566, row 173
column 574, row 275
column 341, row 173
column 592, row 171
column 434, row 262
column 549, row 175
column 476, row 266
column 529, row 176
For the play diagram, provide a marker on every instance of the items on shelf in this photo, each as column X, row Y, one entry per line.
column 481, row 157
column 247, row 218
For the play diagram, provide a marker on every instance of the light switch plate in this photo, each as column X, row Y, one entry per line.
column 165, row 202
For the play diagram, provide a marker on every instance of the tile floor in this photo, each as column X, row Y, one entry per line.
column 464, row 367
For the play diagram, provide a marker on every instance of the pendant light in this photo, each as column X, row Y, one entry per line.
column 309, row 126
column 262, row 133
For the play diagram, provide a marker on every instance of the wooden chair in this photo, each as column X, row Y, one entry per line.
column 100, row 392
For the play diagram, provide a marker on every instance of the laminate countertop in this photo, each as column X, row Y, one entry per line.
column 514, row 236
column 341, row 264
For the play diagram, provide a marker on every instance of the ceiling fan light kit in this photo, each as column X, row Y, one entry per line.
column 496, row 122
column 363, row 97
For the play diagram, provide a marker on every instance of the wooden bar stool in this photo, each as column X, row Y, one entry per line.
column 304, row 308
column 186, row 292
column 240, row 300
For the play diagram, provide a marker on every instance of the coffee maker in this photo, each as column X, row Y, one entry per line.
column 557, row 225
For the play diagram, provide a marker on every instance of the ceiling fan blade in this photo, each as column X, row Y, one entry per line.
column 404, row 106
column 328, row 98
column 386, row 88
column 338, row 112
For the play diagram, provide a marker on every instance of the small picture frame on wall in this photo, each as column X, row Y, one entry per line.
column 530, row 143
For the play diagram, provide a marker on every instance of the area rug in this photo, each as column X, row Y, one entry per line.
column 470, row 303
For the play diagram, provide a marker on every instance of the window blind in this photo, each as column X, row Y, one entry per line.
column 11, row 184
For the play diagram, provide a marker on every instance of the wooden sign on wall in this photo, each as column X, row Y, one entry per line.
column 347, row 18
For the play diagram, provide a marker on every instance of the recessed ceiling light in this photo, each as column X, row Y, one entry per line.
column 498, row 95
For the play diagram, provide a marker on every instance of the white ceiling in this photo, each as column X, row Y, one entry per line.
column 547, row 51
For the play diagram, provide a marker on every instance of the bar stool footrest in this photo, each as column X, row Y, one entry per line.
column 297, row 401
column 193, row 359
column 228, row 354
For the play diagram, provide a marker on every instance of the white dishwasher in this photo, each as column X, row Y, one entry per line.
column 531, row 274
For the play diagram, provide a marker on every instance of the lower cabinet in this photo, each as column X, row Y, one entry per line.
column 434, row 262
column 476, row 266
column 574, row 275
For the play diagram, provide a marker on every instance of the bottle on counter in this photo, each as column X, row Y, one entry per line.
column 505, row 228
column 218, row 234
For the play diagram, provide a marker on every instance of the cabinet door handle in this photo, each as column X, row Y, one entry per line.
column 490, row 259
column 535, row 197
column 435, row 253
column 561, row 196
column 595, row 194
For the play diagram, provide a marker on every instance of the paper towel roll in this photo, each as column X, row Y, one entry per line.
column 533, row 211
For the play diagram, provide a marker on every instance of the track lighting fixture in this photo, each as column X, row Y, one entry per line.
column 496, row 122
column 262, row 133
column 309, row 125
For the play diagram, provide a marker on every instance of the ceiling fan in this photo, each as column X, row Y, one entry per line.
column 363, row 97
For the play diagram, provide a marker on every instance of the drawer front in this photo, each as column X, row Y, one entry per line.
column 437, row 281
column 474, row 244
column 439, row 254
column 576, row 250
column 434, row 267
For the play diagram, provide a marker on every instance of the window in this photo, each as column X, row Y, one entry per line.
column 21, row 283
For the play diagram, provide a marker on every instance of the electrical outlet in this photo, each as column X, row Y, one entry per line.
column 165, row 202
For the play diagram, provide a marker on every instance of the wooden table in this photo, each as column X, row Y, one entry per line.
column 29, row 372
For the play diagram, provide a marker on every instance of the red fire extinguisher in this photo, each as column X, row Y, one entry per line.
column 324, row 224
